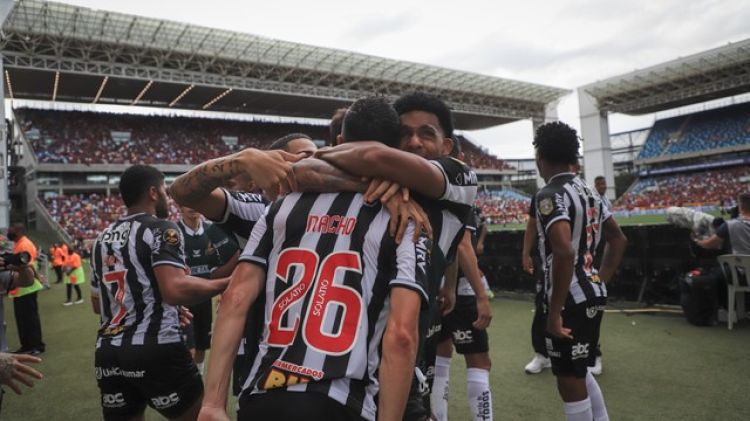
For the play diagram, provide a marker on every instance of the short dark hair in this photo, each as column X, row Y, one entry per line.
column 282, row 142
column 456, row 150
column 372, row 118
column 421, row 101
column 599, row 177
column 556, row 142
column 743, row 199
column 334, row 128
column 136, row 180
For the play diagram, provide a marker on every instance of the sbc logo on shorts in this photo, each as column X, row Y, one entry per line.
column 163, row 402
column 462, row 336
column 579, row 350
column 113, row 400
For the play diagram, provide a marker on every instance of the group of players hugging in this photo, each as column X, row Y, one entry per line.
column 347, row 276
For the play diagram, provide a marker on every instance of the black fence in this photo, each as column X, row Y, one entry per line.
column 657, row 255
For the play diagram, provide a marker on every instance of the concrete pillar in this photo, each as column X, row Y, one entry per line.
column 597, row 149
column 4, row 199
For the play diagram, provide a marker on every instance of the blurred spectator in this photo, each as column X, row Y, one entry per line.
column 503, row 207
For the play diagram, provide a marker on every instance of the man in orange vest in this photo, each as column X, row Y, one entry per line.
column 58, row 253
column 25, row 305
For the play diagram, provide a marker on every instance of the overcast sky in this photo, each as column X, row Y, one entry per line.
column 564, row 43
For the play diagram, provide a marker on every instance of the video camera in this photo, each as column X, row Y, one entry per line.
column 16, row 259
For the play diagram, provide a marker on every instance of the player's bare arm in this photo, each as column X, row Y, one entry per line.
column 613, row 251
column 178, row 288
column 467, row 260
column 227, row 268
column 399, row 353
column 376, row 160
column 481, row 238
column 447, row 294
column 245, row 285
column 199, row 188
column 528, row 242
column 562, row 274
column 318, row 176
column 712, row 243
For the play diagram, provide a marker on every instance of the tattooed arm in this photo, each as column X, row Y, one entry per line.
column 315, row 175
column 199, row 187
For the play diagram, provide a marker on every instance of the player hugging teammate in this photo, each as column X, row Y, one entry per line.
column 344, row 284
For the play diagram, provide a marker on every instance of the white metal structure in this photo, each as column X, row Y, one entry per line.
column 712, row 74
column 54, row 51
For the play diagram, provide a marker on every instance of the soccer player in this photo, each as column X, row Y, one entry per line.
column 571, row 221
column 342, row 300
column 201, row 246
column 445, row 187
column 139, row 280
column 236, row 212
column 466, row 328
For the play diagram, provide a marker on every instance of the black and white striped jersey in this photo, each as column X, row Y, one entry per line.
column 330, row 264
column 448, row 214
column 241, row 211
column 473, row 225
column 567, row 198
column 123, row 259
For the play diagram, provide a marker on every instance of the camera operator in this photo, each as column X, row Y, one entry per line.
column 12, row 367
column 736, row 231
column 25, row 306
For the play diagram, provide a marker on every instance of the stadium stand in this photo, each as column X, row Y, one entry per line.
column 688, row 189
column 477, row 157
column 78, row 137
column 503, row 206
column 712, row 129
column 84, row 216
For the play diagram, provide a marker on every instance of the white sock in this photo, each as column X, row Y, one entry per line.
column 598, row 408
column 200, row 367
column 578, row 411
column 479, row 394
column 439, row 396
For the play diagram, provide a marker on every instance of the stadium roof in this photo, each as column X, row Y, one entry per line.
column 712, row 74
column 54, row 51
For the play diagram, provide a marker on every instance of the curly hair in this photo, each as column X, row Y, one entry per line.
column 420, row 101
column 556, row 142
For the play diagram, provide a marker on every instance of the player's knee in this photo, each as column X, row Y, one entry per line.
column 572, row 389
column 479, row 360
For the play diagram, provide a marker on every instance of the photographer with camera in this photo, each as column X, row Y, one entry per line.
column 25, row 305
column 735, row 231
column 15, row 272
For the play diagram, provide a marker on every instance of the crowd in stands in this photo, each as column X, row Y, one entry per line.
column 76, row 137
column 688, row 189
column 503, row 207
column 84, row 216
column 477, row 157
column 712, row 129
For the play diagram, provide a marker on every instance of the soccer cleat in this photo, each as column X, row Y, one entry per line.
column 79, row 301
column 68, row 303
column 596, row 369
column 537, row 364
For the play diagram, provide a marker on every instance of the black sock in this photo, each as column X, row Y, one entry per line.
column 68, row 291
column 78, row 291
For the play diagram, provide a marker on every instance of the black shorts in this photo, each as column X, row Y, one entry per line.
column 199, row 332
column 573, row 357
column 283, row 405
column 458, row 325
column 163, row 377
